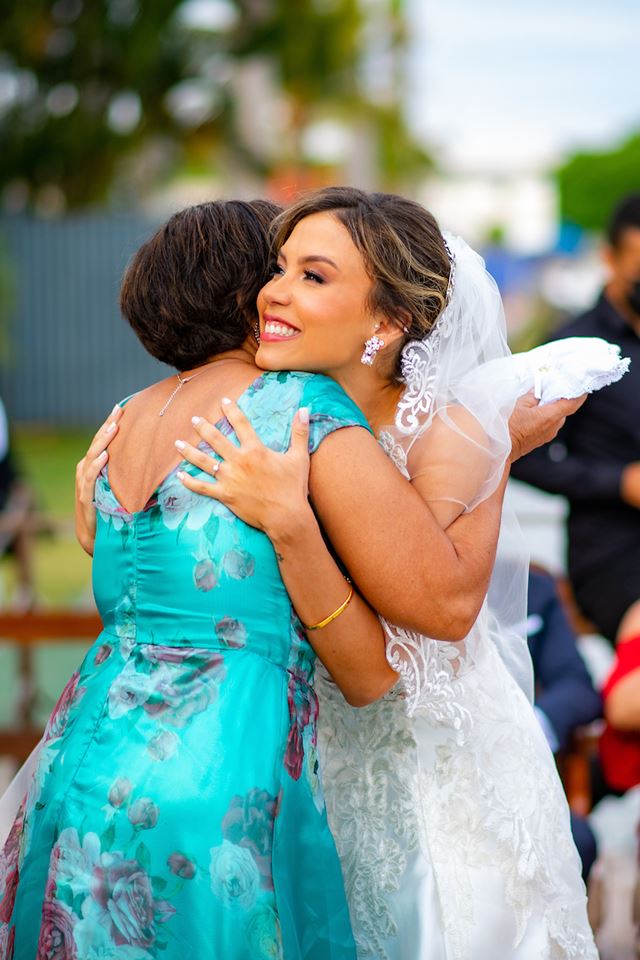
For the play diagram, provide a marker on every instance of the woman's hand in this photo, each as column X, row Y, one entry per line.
column 531, row 425
column 266, row 489
column 87, row 472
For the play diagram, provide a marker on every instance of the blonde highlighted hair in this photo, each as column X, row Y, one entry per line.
column 401, row 245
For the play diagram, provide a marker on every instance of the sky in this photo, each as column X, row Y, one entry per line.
column 504, row 86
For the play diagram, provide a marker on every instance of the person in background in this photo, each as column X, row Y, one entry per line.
column 565, row 695
column 595, row 460
column 16, row 527
column 595, row 463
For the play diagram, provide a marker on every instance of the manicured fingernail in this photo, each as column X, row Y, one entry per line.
column 195, row 420
column 111, row 428
column 103, row 455
column 180, row 444
column 226, row 401
column 303, row 413
column 181, row 475
column 115, row 409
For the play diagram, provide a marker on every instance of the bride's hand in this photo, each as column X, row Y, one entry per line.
column 531, row 425
column 266, row 489
column 87, row 471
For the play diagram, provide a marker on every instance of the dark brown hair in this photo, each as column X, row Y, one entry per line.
column 190, row 291
column 401, row 245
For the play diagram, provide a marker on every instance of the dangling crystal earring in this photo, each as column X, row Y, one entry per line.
column 371, row 347
column 256, row 331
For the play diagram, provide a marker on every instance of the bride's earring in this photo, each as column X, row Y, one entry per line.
column 371, row 347
column 256, row 331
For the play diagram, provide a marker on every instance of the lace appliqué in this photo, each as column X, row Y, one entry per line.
column 419, row 366
column 426, row 667
column 427, row 670
column 395, row 451
column 372, row 787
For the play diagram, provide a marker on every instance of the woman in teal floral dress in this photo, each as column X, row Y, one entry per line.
column 176, row 809
column 177, row 791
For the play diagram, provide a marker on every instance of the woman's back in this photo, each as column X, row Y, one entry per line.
column 183, row 568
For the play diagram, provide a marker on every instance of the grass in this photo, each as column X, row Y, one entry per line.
column 62, row 569
column 48, row 461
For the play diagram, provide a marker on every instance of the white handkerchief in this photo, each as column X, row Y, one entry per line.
column 570, row 367
column 562, row 369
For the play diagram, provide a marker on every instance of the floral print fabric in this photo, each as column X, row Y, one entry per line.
column 176, row 809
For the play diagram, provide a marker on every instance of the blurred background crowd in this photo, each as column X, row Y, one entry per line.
column 519, row 127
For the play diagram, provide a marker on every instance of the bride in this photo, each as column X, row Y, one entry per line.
column 443, row 797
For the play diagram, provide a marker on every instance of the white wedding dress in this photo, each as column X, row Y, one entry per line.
column 443, row 797
column 452, row 825
column 448, row 813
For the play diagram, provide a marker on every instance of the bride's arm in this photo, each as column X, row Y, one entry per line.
column 407, row 567
column 415, row 574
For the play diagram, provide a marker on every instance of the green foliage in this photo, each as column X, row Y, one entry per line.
column 73, row 65
column 93, row 51
column 400, row 158
column 591, row 184
column 315, row 45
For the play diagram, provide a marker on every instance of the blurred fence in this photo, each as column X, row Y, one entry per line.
column 71, row 355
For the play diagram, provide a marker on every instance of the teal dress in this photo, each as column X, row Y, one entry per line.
column 176, row 811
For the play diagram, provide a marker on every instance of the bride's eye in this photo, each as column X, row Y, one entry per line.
column 311, row 275
column 276, row 270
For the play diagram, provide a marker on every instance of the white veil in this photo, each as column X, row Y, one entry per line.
column 451, row 435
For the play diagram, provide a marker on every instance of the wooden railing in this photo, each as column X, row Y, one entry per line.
column 24, row 631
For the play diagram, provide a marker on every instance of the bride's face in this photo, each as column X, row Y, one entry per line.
column 314, row 313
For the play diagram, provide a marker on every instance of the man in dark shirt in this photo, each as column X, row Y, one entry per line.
column 595, row 460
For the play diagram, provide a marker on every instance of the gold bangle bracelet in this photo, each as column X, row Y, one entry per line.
column 334, row 615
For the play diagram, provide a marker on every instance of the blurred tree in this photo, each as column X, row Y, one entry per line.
column 127, row 92
column 591, row 184
column 84, row 84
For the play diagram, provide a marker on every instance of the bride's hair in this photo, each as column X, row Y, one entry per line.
column 190, row 291
column 401, row 245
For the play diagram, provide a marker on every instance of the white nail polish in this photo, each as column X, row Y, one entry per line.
column 180, row 444
column 115, row 409
column 195, row 420
column 225, row 401
column 111, row 428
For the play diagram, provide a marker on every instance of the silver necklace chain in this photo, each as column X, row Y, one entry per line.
column 181, row 383
column 183, row 380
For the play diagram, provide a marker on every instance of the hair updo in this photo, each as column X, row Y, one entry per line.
column 402, row 247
